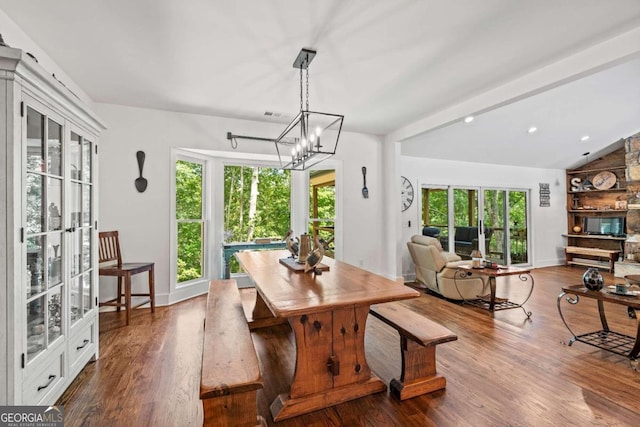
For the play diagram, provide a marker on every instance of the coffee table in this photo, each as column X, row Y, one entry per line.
column 604, row 338
column 491, row 302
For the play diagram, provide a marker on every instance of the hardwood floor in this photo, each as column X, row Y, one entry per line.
column 503, row 370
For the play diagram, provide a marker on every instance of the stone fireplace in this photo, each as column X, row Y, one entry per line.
column 630, row 264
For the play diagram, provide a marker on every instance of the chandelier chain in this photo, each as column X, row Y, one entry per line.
column 307, row 87
column 300, row 88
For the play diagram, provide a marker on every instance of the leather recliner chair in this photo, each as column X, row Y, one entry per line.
column 437, row 270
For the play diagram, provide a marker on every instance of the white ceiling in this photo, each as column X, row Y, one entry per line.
column 383, row 64
column 604, row 106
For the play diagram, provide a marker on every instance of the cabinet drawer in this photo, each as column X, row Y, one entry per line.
column 81, row 344
column 42, row 387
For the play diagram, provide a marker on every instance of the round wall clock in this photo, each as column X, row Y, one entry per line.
column 406, row 193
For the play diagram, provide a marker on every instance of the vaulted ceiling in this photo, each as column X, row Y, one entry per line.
column 392, row 68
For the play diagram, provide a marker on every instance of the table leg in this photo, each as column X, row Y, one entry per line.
column 261, row 316
column 603, row 317
column 492, row 287
column 331, row 366
column 523, row 277
column 633, row 354
column 226, row 257
column 571, row 299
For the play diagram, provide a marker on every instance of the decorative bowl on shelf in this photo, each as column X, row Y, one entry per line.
column 604, row 180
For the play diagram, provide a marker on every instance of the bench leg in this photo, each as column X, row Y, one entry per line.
column 238, row 409
column 418, row 371
column 152, row 289
column 612, row 262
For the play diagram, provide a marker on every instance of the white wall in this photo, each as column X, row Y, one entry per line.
column 547, row 223
column 144, row 219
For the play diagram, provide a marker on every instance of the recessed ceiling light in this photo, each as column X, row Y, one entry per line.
column 532, row 129
column 584, row 138
column 468, row 119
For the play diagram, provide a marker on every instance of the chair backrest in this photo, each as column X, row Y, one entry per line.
column 426, row 253
column 109, row 248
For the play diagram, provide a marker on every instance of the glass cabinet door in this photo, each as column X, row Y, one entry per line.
column 44, row 240
column 81, row 218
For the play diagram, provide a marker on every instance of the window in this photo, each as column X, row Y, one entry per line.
column 257, row 205
column 190, row 220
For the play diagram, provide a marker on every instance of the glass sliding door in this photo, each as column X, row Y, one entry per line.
column 518, row 227
column 435, row 214
column 506, row 245
column 495, row 237
column 465, row 221
column 494, row 221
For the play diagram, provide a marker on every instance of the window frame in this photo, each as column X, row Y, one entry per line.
column 205, row 221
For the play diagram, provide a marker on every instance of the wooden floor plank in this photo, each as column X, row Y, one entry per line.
column 503, row 370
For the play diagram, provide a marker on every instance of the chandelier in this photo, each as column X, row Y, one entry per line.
column 312, row 136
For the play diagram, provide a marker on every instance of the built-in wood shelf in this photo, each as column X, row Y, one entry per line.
column 595, row 236
column 610, row 190
column 589, row 171
column 599, row 211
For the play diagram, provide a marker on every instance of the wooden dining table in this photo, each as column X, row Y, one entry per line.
column 327, row 313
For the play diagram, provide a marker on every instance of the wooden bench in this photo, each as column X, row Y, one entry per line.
column 610, row 255
column 230, row 376
column 419, row 337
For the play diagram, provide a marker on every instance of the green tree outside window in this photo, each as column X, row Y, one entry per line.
column 189, row 216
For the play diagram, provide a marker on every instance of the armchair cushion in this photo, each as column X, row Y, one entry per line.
column 426, row 241
column 450, row 257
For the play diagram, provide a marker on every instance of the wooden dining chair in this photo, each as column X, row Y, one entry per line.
column 111, row 264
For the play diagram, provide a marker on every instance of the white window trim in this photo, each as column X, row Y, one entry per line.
column 184, row 290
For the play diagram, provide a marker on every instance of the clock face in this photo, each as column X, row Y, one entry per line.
column 406, row 193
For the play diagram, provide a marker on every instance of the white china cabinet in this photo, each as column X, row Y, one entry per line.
column 48, row 233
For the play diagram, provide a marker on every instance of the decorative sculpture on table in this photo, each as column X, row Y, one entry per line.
column 326, row 243
column 314, row 258
column 304, row 248
column 292, row 245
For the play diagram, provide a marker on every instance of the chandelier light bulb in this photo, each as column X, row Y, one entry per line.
column 293, row 151
column 318, row 131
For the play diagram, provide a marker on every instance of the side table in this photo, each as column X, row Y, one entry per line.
column 605, row 339
column 491, row 302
